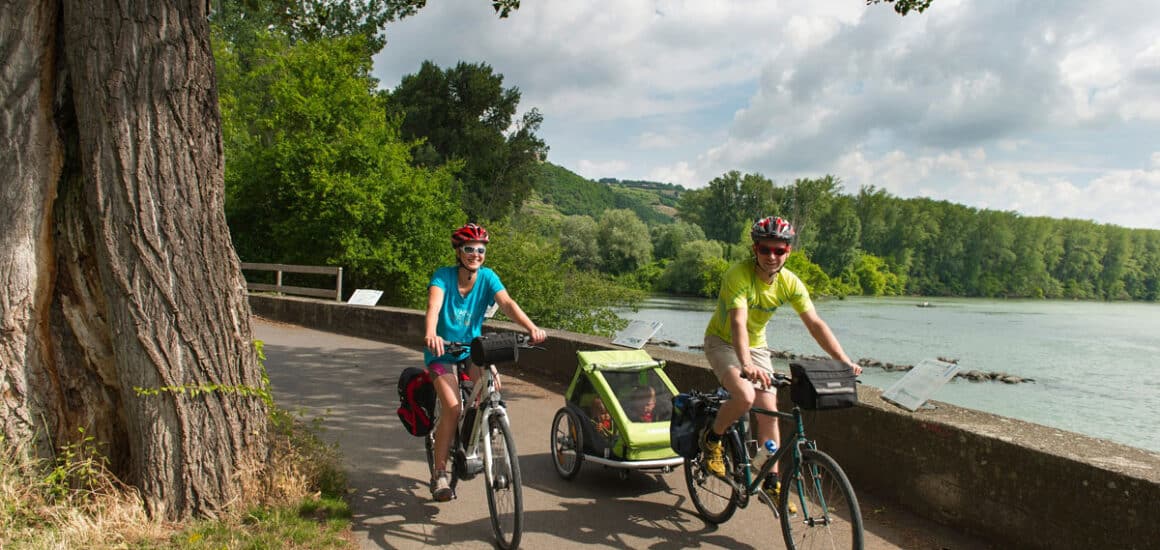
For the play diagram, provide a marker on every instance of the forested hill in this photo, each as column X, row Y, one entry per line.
column 572, row 194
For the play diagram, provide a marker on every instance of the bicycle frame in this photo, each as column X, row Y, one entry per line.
column 796, row 440
column 489, row 405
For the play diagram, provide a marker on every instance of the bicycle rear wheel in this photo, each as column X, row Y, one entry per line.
column 715, row 499
column 504, row 489
column 827, row 514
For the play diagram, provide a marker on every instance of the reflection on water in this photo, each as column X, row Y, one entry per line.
column 1099, row 358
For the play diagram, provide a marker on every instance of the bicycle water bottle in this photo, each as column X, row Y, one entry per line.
column 770, row 450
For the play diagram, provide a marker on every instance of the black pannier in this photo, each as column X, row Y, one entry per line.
column 495, row 348
column 691, row 414
column 416, row 401
column 822, row 384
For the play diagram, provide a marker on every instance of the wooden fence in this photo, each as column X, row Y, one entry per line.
column 279, row 269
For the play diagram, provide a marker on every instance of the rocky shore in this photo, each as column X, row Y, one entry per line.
column 970, row 375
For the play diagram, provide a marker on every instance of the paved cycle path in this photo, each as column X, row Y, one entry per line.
column 350, row 383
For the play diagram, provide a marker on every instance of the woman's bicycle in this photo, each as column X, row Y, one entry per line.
column 483, row 439
column 816, row 504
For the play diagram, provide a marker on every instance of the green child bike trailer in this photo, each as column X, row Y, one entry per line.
column 416, row 401
column 616, row 413
column 822, row 384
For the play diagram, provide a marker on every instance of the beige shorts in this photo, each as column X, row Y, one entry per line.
column 723, row 357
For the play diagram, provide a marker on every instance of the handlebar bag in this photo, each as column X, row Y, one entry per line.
column 822, row 384
column 494, row 348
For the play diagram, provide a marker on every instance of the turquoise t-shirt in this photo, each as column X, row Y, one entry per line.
column 741, row 288
column 461, row 317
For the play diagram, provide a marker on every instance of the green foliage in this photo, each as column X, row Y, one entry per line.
column 79, row 472
column 464, row 114
column 578, row 242
column 903, row 7
column 311, row 20
column 549, row 288
column 624, row 241
column 315, row 175
column 729, row 205
column 697, row 270
column 572, row 194
column 668, row 239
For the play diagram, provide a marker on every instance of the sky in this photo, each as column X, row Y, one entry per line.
column 1041, row 107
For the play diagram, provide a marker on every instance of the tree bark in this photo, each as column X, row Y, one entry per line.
column 118, row 270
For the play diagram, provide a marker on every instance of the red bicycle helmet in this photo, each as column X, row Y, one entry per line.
column 468, row 233
column 772, row 228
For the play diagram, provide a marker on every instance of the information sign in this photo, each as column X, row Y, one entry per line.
column 913, row 389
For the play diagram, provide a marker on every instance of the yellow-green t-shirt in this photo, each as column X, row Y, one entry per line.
column 742, row 288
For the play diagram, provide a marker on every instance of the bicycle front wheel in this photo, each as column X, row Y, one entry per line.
column 715, row 499
column 504, row 490
column 827, row 514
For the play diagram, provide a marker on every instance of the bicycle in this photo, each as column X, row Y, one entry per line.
column 827, row 512
column 483, row 440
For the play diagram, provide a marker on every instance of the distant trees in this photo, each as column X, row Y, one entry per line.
column 728, row 205
column 624, row 241
column 462, row 116
column 873, row 243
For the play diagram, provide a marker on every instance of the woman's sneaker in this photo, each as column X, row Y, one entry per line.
column 441, row 487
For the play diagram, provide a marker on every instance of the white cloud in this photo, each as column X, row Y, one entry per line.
column 1036, row 106
column 598, row 169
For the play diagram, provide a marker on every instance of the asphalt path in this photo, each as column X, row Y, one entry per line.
column 350, row 385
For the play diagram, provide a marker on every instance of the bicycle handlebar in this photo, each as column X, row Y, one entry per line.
column 505, row 351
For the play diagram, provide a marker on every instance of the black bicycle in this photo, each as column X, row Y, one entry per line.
column 816, row 505
column 483, row 439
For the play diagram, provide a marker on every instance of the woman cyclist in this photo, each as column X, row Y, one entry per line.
column 457, row 299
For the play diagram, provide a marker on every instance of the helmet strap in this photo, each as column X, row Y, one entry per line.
column 761, row 270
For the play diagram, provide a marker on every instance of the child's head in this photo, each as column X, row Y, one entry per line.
column 644, row 397
column 598, row 408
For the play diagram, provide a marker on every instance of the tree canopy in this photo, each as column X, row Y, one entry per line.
column 463, row 117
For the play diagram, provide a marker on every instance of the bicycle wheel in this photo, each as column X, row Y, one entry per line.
column 429, row 443
column 715, row 499
column 567, row 444
column 504, row 490
column 827, row 514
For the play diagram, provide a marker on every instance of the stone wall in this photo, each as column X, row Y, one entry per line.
column 1012, row 482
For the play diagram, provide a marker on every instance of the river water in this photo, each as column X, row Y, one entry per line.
column 1096, row 365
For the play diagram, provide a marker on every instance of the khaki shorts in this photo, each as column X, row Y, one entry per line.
column 723, row 357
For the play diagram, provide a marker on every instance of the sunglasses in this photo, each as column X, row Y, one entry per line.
column 481, row 250
column 777, row 251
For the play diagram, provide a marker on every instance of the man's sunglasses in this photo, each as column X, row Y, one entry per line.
column 481, row 250
column 777, row 250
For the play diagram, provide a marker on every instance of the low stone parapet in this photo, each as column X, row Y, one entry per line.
column 1018, row 484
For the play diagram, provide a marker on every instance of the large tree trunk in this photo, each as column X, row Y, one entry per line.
column 121, row 289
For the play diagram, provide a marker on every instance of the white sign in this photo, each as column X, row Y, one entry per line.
column 365, row 297
column 637, row 333
column 912, row 390
column 490, row 312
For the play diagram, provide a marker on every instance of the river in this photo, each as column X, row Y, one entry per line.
column 1096, row 365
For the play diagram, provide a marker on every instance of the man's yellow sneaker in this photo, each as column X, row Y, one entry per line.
column 713, row 453
column 772, row 487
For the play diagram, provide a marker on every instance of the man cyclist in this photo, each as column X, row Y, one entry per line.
column 458, row 298
column 735, row 344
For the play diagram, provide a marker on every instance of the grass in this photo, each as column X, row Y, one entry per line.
column 74, row 502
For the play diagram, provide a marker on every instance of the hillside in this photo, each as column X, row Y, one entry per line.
column 572, row 194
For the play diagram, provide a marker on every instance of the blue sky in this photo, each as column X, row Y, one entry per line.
column 1040, row 107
